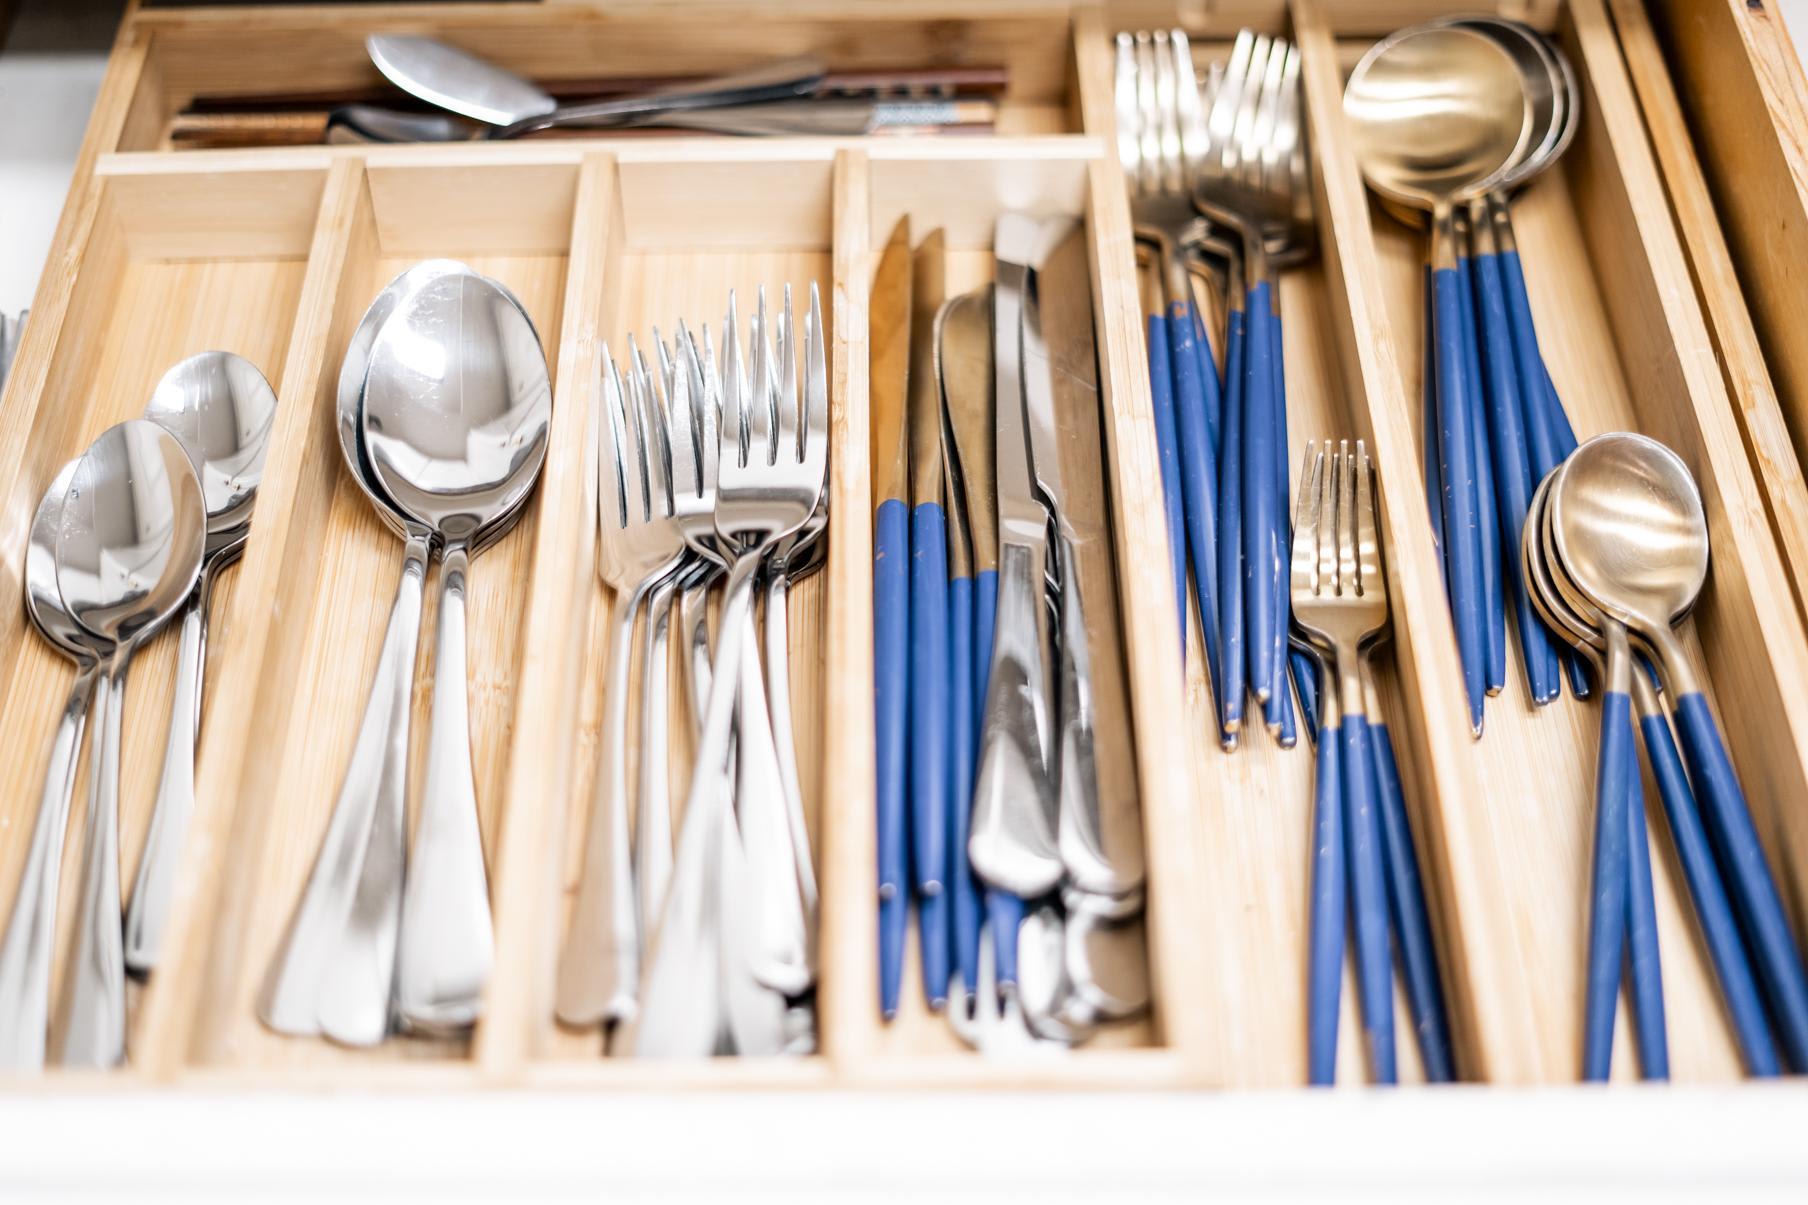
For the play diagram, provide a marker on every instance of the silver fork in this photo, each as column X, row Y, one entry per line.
column 1340, row 605
column 771, row 469
column 639, row 543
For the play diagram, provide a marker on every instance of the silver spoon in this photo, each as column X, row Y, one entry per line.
column 133, row 533
column 222, row 409
column 31, row 928
column 456, row 412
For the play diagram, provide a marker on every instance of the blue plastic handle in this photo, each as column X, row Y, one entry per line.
column 1528, row 363
column 1005, row 911
column 891, row 690
column 1456, row 470
column 1324, row 940
column 930, row 807
column 1727, row 949
column 1209, row 367
column 1742, row 863
column 1412, row 920
column 1428, row 432
column 962, row 742
column 1167, row 447
column 1305, row 684
column 1648, row 1025
column 1512, row 472
column 1280, row 700
column 1198, row 474
column 1230, row 538
column 1368, row 900
column 1494, row 585
column 1607, row 898
column 1261, row 548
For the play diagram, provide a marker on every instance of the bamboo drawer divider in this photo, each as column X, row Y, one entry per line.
column 276, row 253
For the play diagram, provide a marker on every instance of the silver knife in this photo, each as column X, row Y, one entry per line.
column 1012, row 842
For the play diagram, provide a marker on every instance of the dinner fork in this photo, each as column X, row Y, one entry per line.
column 772, row 463
column 639, row 544
column 1340, row 605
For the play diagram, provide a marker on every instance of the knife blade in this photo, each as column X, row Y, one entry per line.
column 888, row 314
column 1012, row 845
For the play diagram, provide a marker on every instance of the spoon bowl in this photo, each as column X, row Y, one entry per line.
column 1437, row 114
column 43, row 598
column 223, row 410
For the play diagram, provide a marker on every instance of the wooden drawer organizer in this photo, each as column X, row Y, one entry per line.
column 274, row 253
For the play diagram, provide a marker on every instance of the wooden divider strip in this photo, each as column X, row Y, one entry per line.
column 525, row 876
column 260, row 664
column 847, row 994
column 1485, row 973
column 1166, row 766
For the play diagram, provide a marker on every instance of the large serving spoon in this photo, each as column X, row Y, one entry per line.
column 31, row 928
column 222, row 409
column 129, row 551
column 1437, row 115
column 462, row 83
column 457, row 406
column 1627, row 525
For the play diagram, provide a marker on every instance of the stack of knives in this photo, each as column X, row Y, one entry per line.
column 1007, row 791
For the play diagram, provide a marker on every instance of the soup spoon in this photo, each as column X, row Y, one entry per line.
column 457, row 406
column 31, row 928
column 127, row 557
column 222, row 409
column 1438, row 115
column 1626, row 523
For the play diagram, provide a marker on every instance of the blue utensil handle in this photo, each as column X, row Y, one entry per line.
column 1412, row 920
column 1742, row 863
column 1528, row 365
column 1213, row 370
column 1261, row 548
column 1649, row 1028
column 1607, row 896
column 1167, row 447
column 1280, row 700
column 1727, row 949
column 1456, row 469
column 985, row 618
column 1230, row 538
column 1428, row 430
column 1005, row 912
column 1305, row 684
column 1198, row 474
column 963, row 736
column 1368, row 900
column 1494, row 586
column 1512, row 474
column 929, row 806
column 891, row 682
column 935, row 923
column 1324, row 940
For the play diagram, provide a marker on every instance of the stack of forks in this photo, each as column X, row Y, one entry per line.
column 1225, row 182
column 708, row 474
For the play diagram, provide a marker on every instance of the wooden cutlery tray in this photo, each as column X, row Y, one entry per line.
column 274, row 253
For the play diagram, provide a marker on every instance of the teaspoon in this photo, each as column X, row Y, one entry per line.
column 31, row 929
column 127, row 557
column 457, row 406
column 222, row 409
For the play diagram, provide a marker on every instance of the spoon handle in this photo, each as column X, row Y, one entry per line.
column 1324, row 943
column 1280, row 715
column 1167, row 452
column 91, row 1023
column 336, row 966
column 1607, row 898
column 1260, row 524
column 446, row 943
column 31, row 929
column 1195, row 400
column 1741, row 856
column 1648, row 1023
column 1456, row 467
column 1494, row 586
column 1731, row 965
column 155, row 884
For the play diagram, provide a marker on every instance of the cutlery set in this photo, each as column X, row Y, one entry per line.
column 1615, row 552
column 442, row 413
column 1448, row 119
column 127, row 537
column 709, row 474
column 1007, row 798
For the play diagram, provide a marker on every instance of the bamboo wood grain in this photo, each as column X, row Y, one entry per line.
column 1748, row 378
